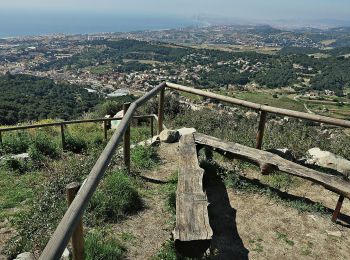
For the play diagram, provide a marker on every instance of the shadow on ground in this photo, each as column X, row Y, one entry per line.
column 226, row 243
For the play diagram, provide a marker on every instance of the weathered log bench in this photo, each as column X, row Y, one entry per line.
column 192, row 233
column 269, row 161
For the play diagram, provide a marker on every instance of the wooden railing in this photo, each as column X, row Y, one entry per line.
column 264, row 109
column 70, row 222
column 64, row 123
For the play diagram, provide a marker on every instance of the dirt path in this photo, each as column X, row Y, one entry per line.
column 259, row 228
column 146, row 232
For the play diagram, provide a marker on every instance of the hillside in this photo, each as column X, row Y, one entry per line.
column 28, row 98
column 274, row 216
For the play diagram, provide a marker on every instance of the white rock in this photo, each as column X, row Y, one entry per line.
column 251, row 115
column 334, row 233
column 328, row 160
column 65, row 255
column 313, row 217
column 169, row 136
column 185, row 131
column 22, row 156
column 25, row 256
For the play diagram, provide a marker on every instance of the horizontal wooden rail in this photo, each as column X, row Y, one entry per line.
column 259, row 107
column 264, row 158
column 13, row 128
column 65, row 228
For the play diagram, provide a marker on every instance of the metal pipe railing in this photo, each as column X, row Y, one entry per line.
column 65, row 228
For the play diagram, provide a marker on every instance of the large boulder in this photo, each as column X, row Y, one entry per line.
column 169, row 136
column 329, row 160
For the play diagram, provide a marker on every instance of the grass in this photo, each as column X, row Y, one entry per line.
column 257, row 245
column 233, row 179
column 141, row 133
column 306, row 249
column 168, row 252
column 99, row 246
column 116, row 197
column 128, row 237
column 17, row 192
column 283, row 237
column 143, row 157
column 279, row 180
column 282, row 101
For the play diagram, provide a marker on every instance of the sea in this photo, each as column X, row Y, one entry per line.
column 13, row 24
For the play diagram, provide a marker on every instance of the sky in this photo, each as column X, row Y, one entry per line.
column 240, row 9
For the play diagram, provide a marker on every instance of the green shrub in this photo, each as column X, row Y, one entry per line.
column 43, row 146
column 278, row 180
column 143, row 157
column 100, row 247
column 15, row 143
column 35, row 225
column 116, row 197
column 75, row 144
column 14, row 165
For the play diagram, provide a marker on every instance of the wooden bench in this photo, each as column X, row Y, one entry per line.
column 192, row 233
column 269, row 161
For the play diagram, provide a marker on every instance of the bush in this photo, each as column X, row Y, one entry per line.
column 116, row 197
column 75, row 144
column 43, row 146
column 15, row 143
column 14, row 165
column 172, row 106
column 98, row 247
column 35, row 226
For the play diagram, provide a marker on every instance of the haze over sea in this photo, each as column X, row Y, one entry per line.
column 23, row 24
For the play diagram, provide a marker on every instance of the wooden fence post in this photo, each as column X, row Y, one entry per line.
column 127, row 141
column 261, row 129
column 161, row 111
column 338, row 208
column 152, row 130
column 77, row 236
column 62, row 136
column 0, row 137
column 105, row 128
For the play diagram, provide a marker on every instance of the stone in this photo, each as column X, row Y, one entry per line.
column 284, row 153
column 313, row 217
column 22, row 156
column 185, row 131
column 334, row 233
column 251, row 115
column 329, row 160
column 25, row 256
column 169, row 136
column 65, row 255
